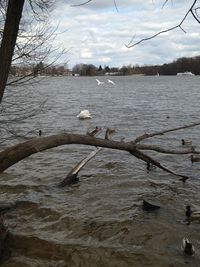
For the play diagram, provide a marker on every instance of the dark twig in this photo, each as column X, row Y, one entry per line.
column 71, row 177
column 149, row 159
column 190, row 10
column 145, row 136
column 82, row 4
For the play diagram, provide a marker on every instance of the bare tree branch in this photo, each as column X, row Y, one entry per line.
column 116, row 6
column 145, row 136
column 84, row 3
column 166, row 1
column 131, row 44
column 159, row 149
column 12, row 155
column 195, row 15
column 149, row 159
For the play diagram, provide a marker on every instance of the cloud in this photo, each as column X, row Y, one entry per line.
column 97, row 32
column 86, row 53
column 105, row 59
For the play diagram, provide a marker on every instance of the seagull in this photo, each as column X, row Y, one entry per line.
column 84, row 114
column 98, row 82
column 109, row 81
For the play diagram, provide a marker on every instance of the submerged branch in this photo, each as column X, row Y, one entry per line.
column 72, row 175
column 149, row 159
column 159, row 149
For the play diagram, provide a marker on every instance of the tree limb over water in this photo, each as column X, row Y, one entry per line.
column 18, row 152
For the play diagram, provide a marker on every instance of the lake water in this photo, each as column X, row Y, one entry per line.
column 100, row 221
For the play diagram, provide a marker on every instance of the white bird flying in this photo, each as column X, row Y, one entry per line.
column 109, row 81
column 84, row 114
column 99, row 82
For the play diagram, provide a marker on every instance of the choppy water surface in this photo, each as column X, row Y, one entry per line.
column 99, row 221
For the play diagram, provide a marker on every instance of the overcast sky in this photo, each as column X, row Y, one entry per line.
column 95, row 33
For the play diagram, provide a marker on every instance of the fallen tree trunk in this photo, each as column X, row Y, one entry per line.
column 16, row 153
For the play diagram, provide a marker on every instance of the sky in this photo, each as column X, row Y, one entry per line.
column 96, row 33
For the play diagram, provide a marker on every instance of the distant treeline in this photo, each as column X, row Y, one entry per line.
column 184, row 64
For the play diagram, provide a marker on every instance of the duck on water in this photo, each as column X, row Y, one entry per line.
column 187, row 247
column 192, row 215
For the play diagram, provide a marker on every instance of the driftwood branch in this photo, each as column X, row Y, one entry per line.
column 149, row 159
column 71, row 177
column 145, row 136
column 14, row 154
column 162, row 150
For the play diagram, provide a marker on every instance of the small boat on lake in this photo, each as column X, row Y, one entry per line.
column 188, row 73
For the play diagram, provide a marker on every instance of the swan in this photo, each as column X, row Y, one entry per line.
column 187, row 247
column 109, row 81
column 99, row 82
column 84, row 114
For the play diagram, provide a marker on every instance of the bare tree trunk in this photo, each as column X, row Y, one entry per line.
column 11, row 27
column 14, row 154
column 4, row 241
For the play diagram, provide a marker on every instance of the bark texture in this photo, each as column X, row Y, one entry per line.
column 10, row 32
column 14, row 154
